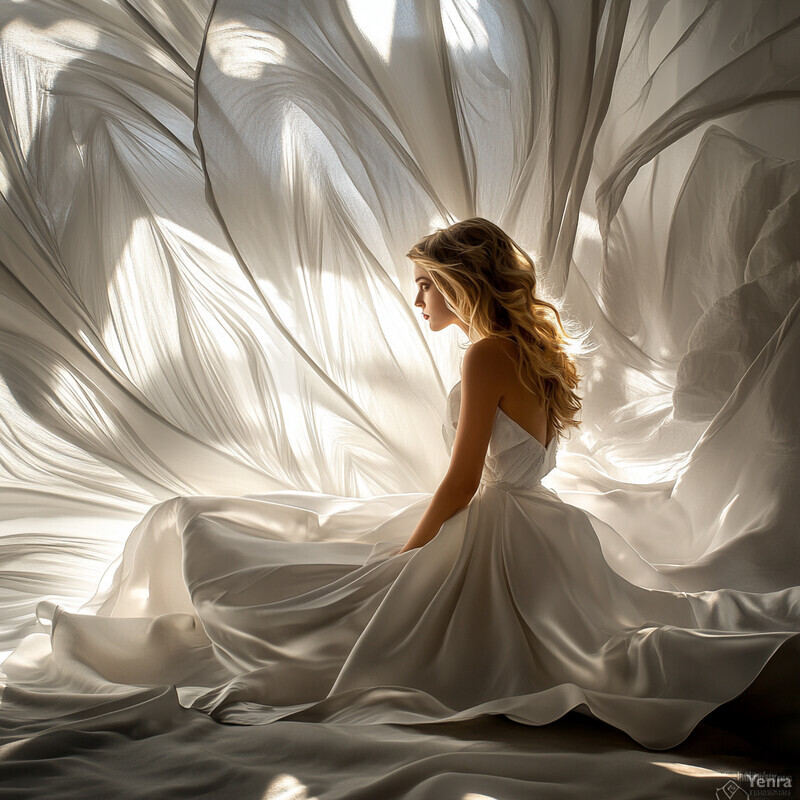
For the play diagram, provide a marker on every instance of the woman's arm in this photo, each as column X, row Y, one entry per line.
column 483, row 378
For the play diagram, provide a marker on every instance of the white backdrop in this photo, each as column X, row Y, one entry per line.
column 203, row 288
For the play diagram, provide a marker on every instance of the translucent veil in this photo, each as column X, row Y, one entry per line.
column 203, row 289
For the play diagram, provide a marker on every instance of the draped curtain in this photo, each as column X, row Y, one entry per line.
column 203, row 288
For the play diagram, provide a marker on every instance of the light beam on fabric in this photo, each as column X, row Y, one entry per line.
column 204, row 292
column 246, row 306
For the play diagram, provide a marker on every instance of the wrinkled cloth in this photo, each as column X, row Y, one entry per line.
column 511, row 609
column 204, row 210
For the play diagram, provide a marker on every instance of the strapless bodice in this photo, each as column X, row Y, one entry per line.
column 515, row 460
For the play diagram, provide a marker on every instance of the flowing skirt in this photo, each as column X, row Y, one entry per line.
column 297, row 606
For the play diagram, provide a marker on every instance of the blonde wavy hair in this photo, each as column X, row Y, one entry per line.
column 489, row 282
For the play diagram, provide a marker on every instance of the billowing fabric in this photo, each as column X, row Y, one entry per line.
column 206, row 336
column 511, row 609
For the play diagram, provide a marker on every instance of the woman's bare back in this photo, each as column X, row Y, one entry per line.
column 519, row 403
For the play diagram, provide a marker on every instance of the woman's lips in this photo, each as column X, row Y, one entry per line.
column 425, row 316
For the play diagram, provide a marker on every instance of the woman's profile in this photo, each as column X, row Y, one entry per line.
column 491, row 596
column 474, row 276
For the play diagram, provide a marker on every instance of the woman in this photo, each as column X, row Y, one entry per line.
column 294, row 605
column 474, row 276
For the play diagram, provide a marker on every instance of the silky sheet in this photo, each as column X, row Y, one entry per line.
column 203, row 290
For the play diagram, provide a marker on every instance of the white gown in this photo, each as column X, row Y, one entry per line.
column 296, row 605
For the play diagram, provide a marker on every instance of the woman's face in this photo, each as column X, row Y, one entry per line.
column 431, row 302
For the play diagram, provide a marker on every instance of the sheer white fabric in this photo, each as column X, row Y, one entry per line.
column 511, row 609
column 203, row 289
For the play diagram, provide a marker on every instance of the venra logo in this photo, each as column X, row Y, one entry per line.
column 767, row 780
column 756, row 785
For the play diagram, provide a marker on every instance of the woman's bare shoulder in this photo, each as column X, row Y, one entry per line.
column 491, row 358
column 491, row 349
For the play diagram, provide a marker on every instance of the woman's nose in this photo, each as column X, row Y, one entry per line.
column 418, row 301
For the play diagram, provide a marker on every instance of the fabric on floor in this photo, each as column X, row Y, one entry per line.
column 203, row 292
